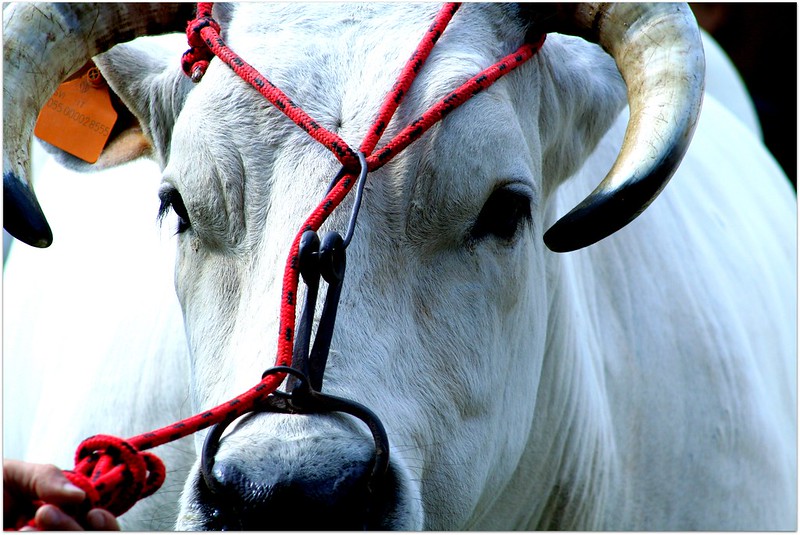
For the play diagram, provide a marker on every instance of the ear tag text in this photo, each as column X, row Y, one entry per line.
column 79, row 116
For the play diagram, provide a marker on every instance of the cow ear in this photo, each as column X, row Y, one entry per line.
column 582, row 93
column 148, row 89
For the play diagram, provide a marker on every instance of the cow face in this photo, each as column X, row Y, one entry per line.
column 441, row 321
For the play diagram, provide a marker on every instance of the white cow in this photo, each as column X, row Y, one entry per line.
column 645, row 382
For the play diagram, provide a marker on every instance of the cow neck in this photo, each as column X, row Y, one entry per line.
column 116, row 473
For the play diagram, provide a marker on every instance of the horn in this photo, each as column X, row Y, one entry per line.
column 42, row 45
column 658, row 52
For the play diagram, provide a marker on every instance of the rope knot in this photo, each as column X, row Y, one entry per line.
column 114, row 474
column 195, row 60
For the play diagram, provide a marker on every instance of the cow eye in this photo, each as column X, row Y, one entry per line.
column 503, row 214
column 172, row 200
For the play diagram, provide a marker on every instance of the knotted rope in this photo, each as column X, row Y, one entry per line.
column 116, row 473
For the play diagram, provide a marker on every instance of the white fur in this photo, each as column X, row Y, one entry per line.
column 643, row 383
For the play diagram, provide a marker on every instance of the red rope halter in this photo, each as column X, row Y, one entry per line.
column 116, row 473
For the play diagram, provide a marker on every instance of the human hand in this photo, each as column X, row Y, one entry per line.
column 26, row 485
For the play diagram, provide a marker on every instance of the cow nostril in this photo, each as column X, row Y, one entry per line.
column 271, row 496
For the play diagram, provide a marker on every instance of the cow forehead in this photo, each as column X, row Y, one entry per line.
column 364, row 30
column 337, row 62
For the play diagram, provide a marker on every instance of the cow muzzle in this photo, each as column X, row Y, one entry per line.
column 297, row 472
column 327, row 478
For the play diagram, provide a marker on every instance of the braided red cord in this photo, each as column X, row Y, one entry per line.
column 279, row 99
column 116, row 473
column 406, row 78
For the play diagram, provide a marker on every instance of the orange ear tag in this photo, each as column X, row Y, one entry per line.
column 79, row 117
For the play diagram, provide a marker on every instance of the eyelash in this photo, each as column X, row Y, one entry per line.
column 504, row 213
column 172, row 200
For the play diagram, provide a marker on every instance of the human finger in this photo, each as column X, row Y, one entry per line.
column 101, row 520
column 51, row 518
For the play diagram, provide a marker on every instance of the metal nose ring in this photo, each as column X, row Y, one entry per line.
column 302, row 400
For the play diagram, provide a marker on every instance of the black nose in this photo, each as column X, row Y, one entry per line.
column 285, row 495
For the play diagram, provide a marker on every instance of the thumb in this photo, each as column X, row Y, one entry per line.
column 40, row 482
column 52, row 486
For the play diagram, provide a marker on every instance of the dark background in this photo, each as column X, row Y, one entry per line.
column 761, row 39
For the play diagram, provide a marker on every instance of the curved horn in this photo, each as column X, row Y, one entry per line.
column 42, row 45
column 659, row 54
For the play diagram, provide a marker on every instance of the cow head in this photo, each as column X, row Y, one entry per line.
column 443, row 320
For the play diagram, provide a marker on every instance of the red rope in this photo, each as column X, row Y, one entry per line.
column 116, row 473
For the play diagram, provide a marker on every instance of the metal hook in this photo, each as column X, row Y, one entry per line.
column 308, row 259
column 327, row 259
column 332, row 266
column 362, row 180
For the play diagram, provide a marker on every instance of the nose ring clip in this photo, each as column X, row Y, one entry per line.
column 317, row 258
